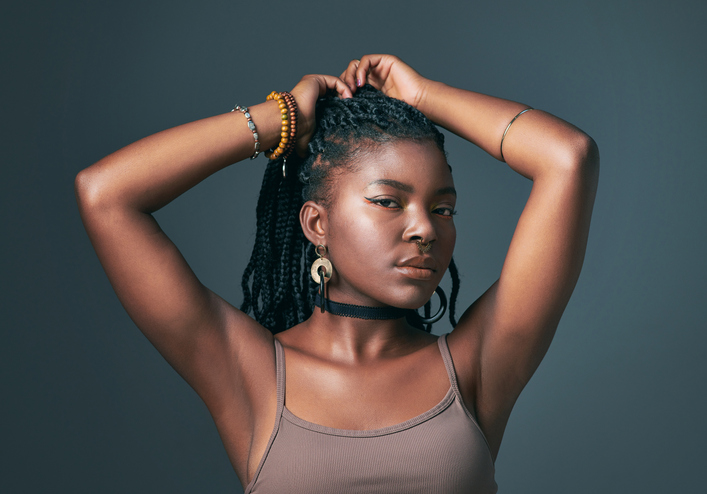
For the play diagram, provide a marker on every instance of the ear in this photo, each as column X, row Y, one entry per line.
column 314, row 221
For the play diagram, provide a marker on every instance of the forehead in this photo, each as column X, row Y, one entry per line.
column 418, row 164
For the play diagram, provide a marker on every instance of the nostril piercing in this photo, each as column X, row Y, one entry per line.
column 422, row 247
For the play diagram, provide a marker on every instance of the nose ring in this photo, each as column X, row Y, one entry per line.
column 423, row 248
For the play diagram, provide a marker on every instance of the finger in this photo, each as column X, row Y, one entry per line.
column 368, row 63
column 349, row 75
column 331, row 83
column 362, row 71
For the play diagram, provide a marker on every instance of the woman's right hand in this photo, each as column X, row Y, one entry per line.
column 306, row 93
column 388, row 74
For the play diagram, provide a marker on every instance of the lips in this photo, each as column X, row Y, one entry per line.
column 422, row 262
column 420, row 267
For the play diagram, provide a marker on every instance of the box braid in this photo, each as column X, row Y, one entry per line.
column 277, row 288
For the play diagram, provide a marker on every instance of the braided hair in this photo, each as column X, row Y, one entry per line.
column 277, row 288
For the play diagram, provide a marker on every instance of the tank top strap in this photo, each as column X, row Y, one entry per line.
column 448, row 363
column 280, row 377
column 280, row 370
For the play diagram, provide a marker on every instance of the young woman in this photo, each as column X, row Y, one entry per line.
column 354, row 396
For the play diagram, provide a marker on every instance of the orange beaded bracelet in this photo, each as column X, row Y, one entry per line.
column 274, row 154
column 292, row 113
column 288, row 131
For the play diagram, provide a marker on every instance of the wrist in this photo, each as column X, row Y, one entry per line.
column 425, row 100
column 266, row 117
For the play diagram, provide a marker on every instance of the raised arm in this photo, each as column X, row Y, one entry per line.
column 116, row 197
column 501, row 339
column 222, row 353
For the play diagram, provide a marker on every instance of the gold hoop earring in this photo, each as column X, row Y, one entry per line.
column 321, row 272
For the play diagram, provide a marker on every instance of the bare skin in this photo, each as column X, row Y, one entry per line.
column 341, row 372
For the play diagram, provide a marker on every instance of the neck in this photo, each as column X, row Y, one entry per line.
column 343, row 334
column 353, row 341
column 360, row 311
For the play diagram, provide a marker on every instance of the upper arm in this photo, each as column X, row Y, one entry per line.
column 217, row 349
column 501, row 339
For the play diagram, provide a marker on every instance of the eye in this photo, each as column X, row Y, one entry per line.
column 384, row 202
column 447, row 212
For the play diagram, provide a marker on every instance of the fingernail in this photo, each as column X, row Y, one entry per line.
column 359, row 83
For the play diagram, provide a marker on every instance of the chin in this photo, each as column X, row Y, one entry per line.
column 412, row 297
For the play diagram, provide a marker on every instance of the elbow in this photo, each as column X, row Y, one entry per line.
column 578, row 160
column 90, row 195
column 82, row 188
column 583, row 155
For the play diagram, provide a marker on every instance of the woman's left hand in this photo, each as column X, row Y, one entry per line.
column 388, row 74
column 306, row 92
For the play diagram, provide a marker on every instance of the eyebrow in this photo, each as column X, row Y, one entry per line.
column 409, row 188
column 393, row 183
column 446, row 190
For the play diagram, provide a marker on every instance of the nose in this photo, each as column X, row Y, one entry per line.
column 420, row 228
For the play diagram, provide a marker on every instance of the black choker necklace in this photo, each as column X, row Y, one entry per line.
column 360, row 311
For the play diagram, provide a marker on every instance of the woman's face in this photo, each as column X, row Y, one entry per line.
column 397, row 194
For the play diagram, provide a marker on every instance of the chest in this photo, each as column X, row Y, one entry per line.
column 364, row 397
column 441, row 451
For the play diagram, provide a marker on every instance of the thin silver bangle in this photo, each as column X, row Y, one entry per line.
column 251, row 126
column 509, row 126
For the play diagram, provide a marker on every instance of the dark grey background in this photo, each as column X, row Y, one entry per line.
column 619, row 403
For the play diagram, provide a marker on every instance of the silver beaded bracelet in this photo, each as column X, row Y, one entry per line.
column 252, row 128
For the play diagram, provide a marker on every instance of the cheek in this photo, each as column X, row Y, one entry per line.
column 360, row 244
column 449, row 249
column 452, row 237
column 360, row 237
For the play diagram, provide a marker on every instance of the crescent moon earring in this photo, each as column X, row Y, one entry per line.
column 321, row 272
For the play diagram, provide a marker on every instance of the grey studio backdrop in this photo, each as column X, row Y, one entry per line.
column 618, row 405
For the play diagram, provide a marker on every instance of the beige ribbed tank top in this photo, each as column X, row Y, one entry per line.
column 442, row 451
